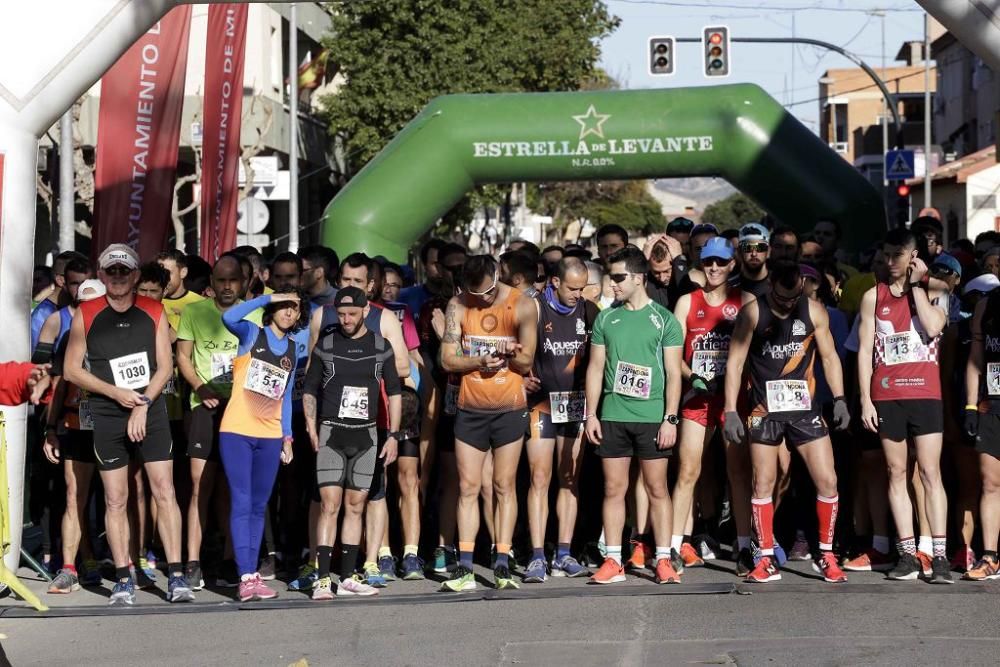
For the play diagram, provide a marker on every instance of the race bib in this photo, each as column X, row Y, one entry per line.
column 131, row 371
column 632, row 380
column 904, row 348
column 484, row 346
column 222, row 367
column 265, row 379
column 567, row 406
column 299, row 383
column 451, row 399
column 86, row 416
column 788, row 396
column 709, row 363
column 993, row 378
column 354, row 403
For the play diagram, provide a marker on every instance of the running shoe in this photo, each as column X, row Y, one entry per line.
column 987, row 568
column 267, row 568
column 193, row 574
column 827, row 566
column 65, row 582
column 610, row 572
column 151, row 558
column 941, row 571
column 766, row 570
column 567, row 566
column 665, row 572
column 90, row 573
column 908, row 568
column 640, row 555
column 147, row 569
column 323, row 590
column 261, row 590
column 374, row 576
column 964, row 559
column 462, row 579
column 744, row 563
column 708, row 547
column 246, row 591
column 676, row 561
column 355, row 586
column 925, row 563
column 502, row 578
column 871, row 560
column 444, row 560
column 800, row 550
column 228, row 576
column 178, row 589
column 779, row 554
column 387, row 566
column 306, row 579
column 690, row 557
column 413, row 568
column 142, row 580
column 123, row 594
column 535, row 572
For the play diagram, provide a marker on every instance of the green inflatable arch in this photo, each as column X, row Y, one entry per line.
column 737, row 132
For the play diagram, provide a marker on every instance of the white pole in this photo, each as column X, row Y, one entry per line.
column 67, row 215
column 293, row 119
column 927, row 111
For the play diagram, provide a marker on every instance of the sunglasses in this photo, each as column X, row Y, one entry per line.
column 492, row 287
column 786, row 299
column 942, row 271
column 118, row 270
column 714, row 261
column 759, row 247
column 619, row 277
column 680, row 226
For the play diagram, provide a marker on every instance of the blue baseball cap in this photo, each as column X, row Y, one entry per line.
column 947, row 261
column 718, row 247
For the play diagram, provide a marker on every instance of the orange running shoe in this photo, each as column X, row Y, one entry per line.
column 640, row 554
column 986, row 568
column 610, row 572
column 690, row 556
column 665, row 573
column 871, row 560
column 766, row 570
column 827, row 566
column 925, row 563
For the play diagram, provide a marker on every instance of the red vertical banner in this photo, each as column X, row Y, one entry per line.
column 224, row 57
column 138, row 135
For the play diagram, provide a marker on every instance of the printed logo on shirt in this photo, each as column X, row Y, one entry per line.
column 581, row 327
column 885, row 310
column 700, row 314
column 729, row 311
column 286, row 364
column 655, row 319
column 798, row 328
column 489, row 322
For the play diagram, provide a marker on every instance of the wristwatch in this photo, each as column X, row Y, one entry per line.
column 145, row 399
column 671, row 419
column 397, row 435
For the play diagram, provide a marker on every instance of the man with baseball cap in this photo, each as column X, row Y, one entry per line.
column 125, row 339
column 754, row 245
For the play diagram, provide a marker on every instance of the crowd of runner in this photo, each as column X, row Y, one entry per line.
column 344, row 423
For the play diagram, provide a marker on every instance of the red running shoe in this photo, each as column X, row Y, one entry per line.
column 690, row 556
column 827, row 566
column 640, row 554
column 610, row 572
column 665, row 573
column 871, row 560
column 765, row 571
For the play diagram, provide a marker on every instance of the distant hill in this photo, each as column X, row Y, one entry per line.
column 674, row 194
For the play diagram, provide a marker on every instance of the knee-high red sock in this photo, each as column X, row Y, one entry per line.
column 826, row 511
column 763, row 524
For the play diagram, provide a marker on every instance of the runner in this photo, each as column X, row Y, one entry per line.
column 256, row 429
column 176, row 297
column 126, row 342
column 781, row 334
column 634, row 374
column 489, row 339
column 54, row 299
column 754, row 246
column 319, row 269
column 348, row 369
column 900, row 383
column 57, row 325
column 706, row 317
column 565, row 320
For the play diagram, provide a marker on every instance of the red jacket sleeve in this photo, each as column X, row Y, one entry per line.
column 14, row 382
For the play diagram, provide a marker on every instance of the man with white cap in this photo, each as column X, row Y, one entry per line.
column 126, row 341
column 754, row 248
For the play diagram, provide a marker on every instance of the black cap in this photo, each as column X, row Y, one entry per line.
column 351, row 297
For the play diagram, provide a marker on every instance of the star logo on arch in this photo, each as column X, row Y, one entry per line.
column 591, row 122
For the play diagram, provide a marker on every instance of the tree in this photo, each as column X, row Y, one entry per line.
column 732, row 212
column 626, row 203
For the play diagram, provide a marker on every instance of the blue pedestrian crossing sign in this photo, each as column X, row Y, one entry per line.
column 899, row 165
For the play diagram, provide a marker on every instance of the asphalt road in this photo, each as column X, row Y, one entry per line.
column 709, row 619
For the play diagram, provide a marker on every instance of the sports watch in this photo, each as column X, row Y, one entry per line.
column 671, row 419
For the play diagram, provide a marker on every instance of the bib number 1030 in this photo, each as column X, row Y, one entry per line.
column 131, row 371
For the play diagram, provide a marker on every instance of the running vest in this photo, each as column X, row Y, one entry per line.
column 350, row 378
column 561, row 357
column 373, row 322
column 65, row 322
column 990, row 381
column 259, row 380
column 482, row 328
column 782, row 352
column 904, row 358
column 709, row 328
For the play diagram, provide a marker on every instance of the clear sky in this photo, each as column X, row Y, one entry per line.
column 788, row 73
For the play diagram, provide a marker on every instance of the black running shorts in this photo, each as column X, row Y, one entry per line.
column 485, row 431
column 988, row 438
column 899, row 420
column 622, row 439
column 75, row 445
column 767, row 431
column 113, row 449
column 347, row 457
column 203, row 432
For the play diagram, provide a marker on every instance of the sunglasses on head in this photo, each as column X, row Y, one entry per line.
column 619, row 277
column 117, row 270
column 759, row 246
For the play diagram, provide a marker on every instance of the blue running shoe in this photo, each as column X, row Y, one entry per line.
column 123, row 594
column 90, row 573
column 306, row 580
column 374, row 576
column 444, row 560
column 387, row 566
column 535, row 572
column 567, row 566
column 147, row 569
column 413, row 568
column 178, row 589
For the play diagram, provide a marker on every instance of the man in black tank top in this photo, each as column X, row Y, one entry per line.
column 126, row 340
column 982, row 423
column 781, row 334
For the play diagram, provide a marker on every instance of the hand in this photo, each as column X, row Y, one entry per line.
column 841, row 417
column 38, row 374
column 733, row 430
column 314, row 439
column 127, row 398
column 286, row 451
column 699, row 385
column 51, row 446
column 492, row 362
column 918, row 269
column 290, row 297
column 651, row 242
column 531, row 383
column 388, row 454
column 666, row 437
column 593, row 430
column 208, row 396
column 971, row 424
column 438, row 322
column 869, row 416
column 39, row 382
column 673, row 247
column 137, row 423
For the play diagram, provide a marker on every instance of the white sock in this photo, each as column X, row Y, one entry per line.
column 615, row 553
column 676, row 541
column 880, row 543
column 662, row 552
column 925, row 545
column 602, row 540
column 743, row 541
column 246, row 577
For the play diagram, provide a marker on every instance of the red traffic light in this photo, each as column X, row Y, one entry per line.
column 902, row 190
column 715, row 38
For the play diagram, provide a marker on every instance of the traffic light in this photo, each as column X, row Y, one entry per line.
column 902, row 203
column 715, row 45
column 661, row 56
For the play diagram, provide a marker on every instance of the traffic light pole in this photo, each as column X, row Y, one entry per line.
column 889, row 97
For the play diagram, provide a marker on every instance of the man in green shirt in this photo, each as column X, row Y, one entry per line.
column 634, row 374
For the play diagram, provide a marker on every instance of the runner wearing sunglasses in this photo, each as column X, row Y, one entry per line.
column 754, row 244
